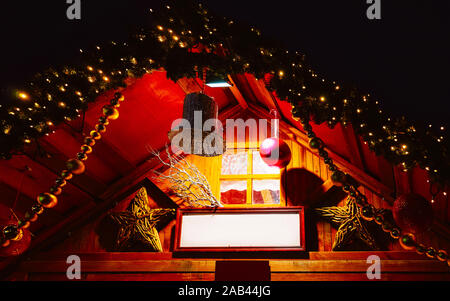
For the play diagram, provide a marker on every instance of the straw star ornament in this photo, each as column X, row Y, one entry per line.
column 351, row 225
column 140, row 223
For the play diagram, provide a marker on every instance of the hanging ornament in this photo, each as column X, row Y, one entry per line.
column 413, row 213
column 47, row 200
column 274, row 151
column 75, row 166
column 17, row 240
column 15, row 248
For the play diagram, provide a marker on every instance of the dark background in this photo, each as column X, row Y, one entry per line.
column 403, row 59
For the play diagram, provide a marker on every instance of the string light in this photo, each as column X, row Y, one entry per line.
column 23, row 96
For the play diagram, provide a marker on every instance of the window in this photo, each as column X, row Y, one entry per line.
column 246, row 180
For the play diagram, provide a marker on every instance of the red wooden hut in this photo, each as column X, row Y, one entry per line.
column 121, row 164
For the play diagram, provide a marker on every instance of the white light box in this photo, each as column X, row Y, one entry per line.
column 240, row 229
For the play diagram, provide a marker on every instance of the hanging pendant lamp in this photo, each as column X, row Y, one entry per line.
column 197, row 133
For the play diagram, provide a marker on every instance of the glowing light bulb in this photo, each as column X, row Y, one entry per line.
column 23, row 96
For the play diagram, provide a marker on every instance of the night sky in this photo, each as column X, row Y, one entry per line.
column 403, row 59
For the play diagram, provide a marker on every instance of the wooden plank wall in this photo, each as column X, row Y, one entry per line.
column 322, row 266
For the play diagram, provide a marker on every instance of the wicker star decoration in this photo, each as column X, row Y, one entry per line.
column 140, row 223
column 351, row 224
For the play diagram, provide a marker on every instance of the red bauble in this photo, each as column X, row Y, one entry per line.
column 275, row 152
column 413, row 213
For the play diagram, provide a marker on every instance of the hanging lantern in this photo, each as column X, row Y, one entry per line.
column 274, row 151
column 197, row 132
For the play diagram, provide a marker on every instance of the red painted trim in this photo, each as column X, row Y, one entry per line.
column 182, row 212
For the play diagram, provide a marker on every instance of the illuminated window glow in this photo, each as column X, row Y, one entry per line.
column 246, row 180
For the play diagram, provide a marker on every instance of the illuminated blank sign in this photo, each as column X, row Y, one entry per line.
column 239, row 229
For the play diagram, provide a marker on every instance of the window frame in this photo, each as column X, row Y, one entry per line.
column 249, row 177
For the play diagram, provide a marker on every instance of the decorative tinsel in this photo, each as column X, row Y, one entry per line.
column 185, row 37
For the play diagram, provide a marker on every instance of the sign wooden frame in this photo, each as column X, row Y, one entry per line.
column 240, row 211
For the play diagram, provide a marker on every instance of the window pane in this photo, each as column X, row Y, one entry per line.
column 261, row 168
column 233, row 192
column 266, row 191
column 234, row 163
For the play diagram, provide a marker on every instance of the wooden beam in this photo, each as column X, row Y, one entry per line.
column 261, row 93
column 403, row 181
column 353, row 144
column 342, row 276
column 237, row 94
column 84, row 183
column 111, row 156
column 189, row 85
column 57, row 162
column 208, row 266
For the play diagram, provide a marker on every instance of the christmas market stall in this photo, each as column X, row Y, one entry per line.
column 199, row 149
